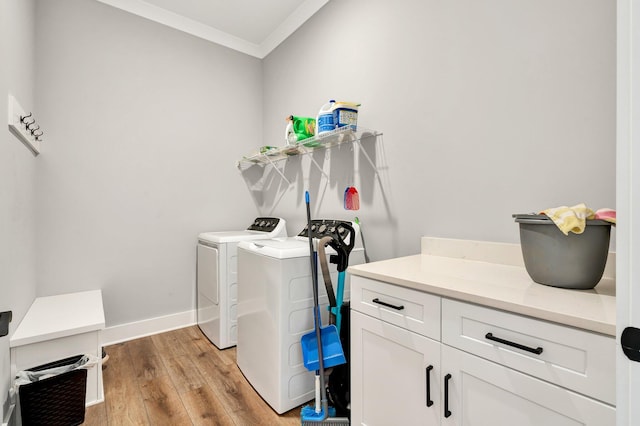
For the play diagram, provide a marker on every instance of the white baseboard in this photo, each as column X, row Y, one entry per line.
column 148, row 327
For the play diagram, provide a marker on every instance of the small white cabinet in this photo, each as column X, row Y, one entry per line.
column 421, row 359
column 395, row 355
column 58, row 327
column 396, row 375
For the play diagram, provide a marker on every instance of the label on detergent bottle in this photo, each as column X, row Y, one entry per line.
column 299, row 128
column 346, row 114
column 346, row 117
column 325, row 121
column 304, row 127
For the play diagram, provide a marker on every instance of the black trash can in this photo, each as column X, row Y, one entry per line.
column 58, row 400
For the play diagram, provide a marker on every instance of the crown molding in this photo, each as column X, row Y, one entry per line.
column 165, row 17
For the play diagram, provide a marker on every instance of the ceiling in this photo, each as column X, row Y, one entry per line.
column 254, row 27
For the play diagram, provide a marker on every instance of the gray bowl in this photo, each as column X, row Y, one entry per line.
column 574, row 261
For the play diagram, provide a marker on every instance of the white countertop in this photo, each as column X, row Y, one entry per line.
column 58, row 316
column 497, row 285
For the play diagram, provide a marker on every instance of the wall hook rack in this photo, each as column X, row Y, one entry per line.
column 24, row 126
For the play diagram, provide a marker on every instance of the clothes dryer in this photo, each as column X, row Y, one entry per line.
column 217, row 277
column 275, row 308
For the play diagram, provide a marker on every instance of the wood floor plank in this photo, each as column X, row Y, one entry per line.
column 253, row 411
column 141, row 347
column 146, row 361
column 205, row 408
column 96, row 415
column 164, row 406
column 244, row 405
column 123, row 401
column 218, row 375
column 179, row 378
column 229, row 356
column 168, row 345
column 242, row 402
column 193, row 340
column 211, row 365
column 184, row 374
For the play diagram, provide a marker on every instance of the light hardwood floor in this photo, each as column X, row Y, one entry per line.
column 179, row 378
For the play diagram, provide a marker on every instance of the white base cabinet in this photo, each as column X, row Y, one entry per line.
column 481, row 392
column 399, row 375
column 396, row 374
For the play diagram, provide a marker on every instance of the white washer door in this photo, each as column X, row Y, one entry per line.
column 208, row 272
column 208, row 283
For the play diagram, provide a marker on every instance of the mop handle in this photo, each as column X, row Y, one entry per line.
column 316, row 304
column 312, row 260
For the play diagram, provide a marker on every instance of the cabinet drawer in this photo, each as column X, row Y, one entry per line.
column 569, row 357
column 410, row 309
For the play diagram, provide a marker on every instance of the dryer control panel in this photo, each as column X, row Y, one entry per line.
column 264, row 224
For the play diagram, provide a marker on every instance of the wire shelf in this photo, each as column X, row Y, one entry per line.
column 270, row 155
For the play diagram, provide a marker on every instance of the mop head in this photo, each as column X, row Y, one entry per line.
column 339, row 421
column 309, row 414
column 309, row 417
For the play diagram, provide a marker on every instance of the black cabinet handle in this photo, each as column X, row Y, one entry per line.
column 537, row 351
column 630, row 341
column 389, row 305
column 5, row 319
column 447, row 413
column 429, row 401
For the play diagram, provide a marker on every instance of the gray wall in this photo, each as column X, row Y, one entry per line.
column 488, row 108
column 17, row 176
column 144, row 125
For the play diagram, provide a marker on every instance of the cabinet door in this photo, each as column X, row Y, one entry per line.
column 394, row 375
column 481, row 392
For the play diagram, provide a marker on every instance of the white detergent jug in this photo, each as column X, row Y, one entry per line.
column 324, row 120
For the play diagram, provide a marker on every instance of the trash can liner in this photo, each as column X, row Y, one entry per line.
column 30, row 376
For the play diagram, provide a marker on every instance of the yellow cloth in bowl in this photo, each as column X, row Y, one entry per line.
column 570, row 219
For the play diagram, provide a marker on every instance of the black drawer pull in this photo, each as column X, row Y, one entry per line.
column 389, row 305
column 536, row 351
column 429, row 401
column 447, row 413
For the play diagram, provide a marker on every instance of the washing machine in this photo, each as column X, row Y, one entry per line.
column 217, row 273
column 275, row 308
